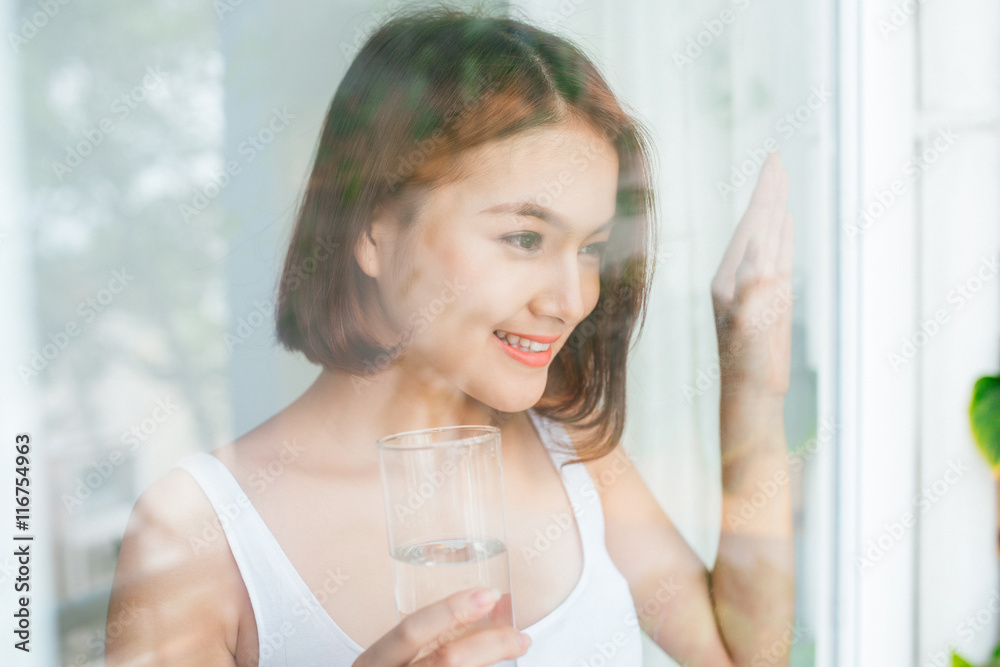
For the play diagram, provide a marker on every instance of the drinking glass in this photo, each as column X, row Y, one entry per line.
column 447, row 525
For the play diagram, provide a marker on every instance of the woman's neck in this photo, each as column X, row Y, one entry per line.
column 352, row 413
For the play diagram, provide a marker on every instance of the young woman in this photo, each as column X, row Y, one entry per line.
column 474, row 246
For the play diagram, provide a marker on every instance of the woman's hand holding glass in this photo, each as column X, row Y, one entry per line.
column 438, row 635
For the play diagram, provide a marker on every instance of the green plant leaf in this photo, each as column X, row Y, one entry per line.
column 959, row 661
column 985, row 415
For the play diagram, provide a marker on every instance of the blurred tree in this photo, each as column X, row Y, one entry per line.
column 124, row 124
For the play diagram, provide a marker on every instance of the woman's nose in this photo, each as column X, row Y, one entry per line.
column 561, row 292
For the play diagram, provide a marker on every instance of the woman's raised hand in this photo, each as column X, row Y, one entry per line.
column 752, row 291
column 436, row 636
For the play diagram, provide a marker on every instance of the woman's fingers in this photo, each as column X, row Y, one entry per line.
column 761, row 221
column 776, row 218
column 749, row 269
column 786, row 251
column 477, row 649
column 769, row 196
column 767, row 192
column 434, row 623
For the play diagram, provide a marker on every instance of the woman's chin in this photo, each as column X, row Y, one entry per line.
column 515, row 401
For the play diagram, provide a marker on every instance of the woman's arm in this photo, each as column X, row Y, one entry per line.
column 753, row 581
column 668, row 581
column 173, row 601
column 741, row 612
column 681, row 605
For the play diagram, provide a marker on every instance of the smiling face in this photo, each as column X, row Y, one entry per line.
column 514, row 246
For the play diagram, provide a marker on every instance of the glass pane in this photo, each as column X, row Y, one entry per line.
column 166, row 145
column 721, row 85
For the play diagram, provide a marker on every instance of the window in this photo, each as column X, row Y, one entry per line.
column 157, row 158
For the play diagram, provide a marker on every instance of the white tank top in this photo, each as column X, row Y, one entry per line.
column 595, row 626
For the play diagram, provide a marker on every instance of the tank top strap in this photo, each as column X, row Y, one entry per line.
column 243, row 527
column 293, row 628
column 583, row 495
column 274, row 587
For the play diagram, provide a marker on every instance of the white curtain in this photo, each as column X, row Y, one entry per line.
column 718, row 84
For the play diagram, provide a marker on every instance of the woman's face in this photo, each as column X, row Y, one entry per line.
column 513, row 247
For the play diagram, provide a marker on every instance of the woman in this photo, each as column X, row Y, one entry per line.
column 474, row 247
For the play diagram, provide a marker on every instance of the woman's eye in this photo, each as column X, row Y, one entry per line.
column 524, row 240
column 531, row 241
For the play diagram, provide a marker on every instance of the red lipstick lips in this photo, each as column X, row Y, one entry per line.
column 533, row 359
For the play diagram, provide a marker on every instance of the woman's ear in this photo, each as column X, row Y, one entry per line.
column 366, row 252
column 375, row 243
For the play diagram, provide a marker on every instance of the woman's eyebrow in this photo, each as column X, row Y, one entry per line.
column 532, row 210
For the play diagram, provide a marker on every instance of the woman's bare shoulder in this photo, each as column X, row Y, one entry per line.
column 168, row 517
column 177, row 589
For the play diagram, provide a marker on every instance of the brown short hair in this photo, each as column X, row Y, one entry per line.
column 425, row 87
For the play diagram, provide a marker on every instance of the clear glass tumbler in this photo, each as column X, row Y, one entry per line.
column 447, row 526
